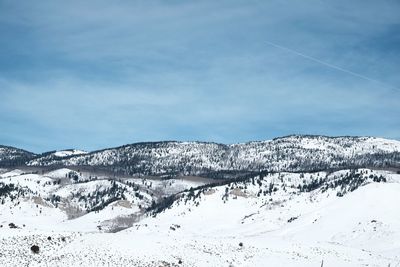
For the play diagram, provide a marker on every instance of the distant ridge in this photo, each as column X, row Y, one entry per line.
column 171, row 158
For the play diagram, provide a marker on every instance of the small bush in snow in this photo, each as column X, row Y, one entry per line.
column 35, row 249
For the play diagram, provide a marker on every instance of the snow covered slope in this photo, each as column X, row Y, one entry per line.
column 291, row 201
column 68, row 153
column 57, row 155
column 293, row 153
column 232, row 226
column 79, row 201
column 342, row 218
column 11, row 156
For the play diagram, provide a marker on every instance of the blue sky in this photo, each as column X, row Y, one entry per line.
column 95, row 74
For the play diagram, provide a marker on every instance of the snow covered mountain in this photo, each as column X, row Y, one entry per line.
column 291, row 201
column 292, row 153
column 11, row 156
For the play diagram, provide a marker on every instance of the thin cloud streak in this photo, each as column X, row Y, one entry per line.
column 385, row 85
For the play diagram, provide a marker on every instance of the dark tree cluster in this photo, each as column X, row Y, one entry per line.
column 12, row 192
column 312, row 185
column 345, row 183
column 160, row 206
column 54, row 199
column 74, row 176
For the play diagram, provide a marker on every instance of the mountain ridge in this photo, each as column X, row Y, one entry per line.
column 210, row 159
column 205, row 142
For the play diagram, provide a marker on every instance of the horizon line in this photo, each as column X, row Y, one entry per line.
column 199, row 141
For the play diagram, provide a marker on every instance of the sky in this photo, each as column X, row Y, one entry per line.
column 97, row 74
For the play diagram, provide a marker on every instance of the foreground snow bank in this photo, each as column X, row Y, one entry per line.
column 232, row 227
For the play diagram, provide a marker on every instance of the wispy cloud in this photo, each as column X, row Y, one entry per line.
column 95, row 73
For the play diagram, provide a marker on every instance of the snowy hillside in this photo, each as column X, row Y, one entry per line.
column 342, row 218
column 293, row 153
column 282, row 228
column 10, row 156
column 76, row 196
column 292, row 201
column 57, row 155
column 68, row 153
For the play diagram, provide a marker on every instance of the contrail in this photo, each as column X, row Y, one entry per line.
column 388, row 86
